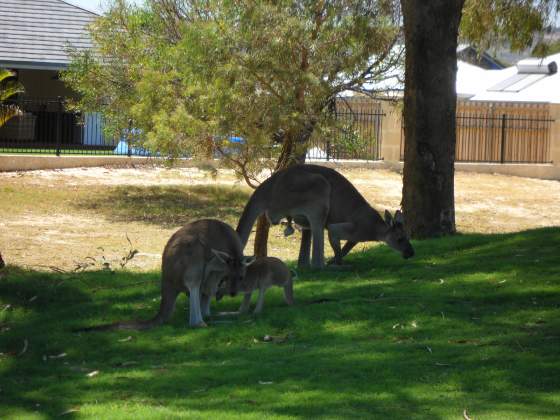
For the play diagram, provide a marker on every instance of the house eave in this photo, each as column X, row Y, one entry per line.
column 32, row 65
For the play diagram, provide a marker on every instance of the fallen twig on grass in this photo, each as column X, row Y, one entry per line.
column 131, row 253
column 123, row 340
column 69, row 411
column 55, row 269
column 58, row 356
column 24, row 349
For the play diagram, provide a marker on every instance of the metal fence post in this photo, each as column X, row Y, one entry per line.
column 128, row 138
column 58, row 125
column 503, row 144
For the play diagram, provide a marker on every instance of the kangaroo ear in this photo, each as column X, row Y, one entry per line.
column 222, row 256
column 399, row 217
column 388, row 218
column 247, row 261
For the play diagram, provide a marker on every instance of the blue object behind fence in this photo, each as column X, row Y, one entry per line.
column 122, row 149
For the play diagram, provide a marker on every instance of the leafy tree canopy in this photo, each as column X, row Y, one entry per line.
column 8, row 88
column 190, row 73
column 515, row 22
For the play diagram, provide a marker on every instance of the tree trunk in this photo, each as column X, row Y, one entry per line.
column 261, row 237
column 431, row 30
column 2, row 264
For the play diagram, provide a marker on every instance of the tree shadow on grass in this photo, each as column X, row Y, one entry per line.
column 168, row 206
column 423, row 338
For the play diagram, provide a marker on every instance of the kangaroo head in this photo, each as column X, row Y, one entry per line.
column 396, row 236
column 234, row 269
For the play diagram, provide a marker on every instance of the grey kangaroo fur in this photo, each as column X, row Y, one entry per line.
column 262, row 274
column 197, row 259
column 317, row 197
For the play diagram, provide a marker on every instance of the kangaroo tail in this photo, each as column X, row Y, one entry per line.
column 166, row 308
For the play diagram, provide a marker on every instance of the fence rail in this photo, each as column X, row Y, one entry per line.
column 44, row 126
column 514, row 135
column 357, row 133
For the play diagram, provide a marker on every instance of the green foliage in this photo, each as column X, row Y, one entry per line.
column 542, row 49
column 105, row 78
column 351, row 141
column 470, row 323
column 191, row 73
column 8, row 88
column 486, row 23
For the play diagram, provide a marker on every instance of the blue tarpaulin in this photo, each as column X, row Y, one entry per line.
column 122, row 149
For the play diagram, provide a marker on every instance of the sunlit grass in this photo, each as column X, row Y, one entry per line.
column 472, row 322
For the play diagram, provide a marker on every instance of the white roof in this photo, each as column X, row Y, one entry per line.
column 545, row 88
column 478, row 84
column 471, row 79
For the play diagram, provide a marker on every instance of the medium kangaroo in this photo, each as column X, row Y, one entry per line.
column 262, row 274
column 316, row 197
column 197, row 259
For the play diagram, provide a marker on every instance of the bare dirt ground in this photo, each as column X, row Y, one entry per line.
column 62, row 219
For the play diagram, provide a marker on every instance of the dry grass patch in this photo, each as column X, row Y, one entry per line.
column 61, row 217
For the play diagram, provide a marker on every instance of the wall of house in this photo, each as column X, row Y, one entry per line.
column 392, row 137
column 43, row 84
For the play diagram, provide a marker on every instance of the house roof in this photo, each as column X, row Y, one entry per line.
column 517, row 84
column 35, row 34
column 471, row 55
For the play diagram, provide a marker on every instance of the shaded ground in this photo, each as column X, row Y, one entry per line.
column 63, row 218
column 471, row 323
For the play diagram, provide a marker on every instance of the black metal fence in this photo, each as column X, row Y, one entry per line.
column 357, row 133
column 44, row 126
column 503, row 138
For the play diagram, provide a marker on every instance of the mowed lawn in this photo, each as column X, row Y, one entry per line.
column 471, row 323
column 469, row 327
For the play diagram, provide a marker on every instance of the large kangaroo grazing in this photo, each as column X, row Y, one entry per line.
column 316, row 197
column 197, row 259
column 262, row 274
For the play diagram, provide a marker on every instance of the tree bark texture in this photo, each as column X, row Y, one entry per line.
column 431, row 30
column 261, row 237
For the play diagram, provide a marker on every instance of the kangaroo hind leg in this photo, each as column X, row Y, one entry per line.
column 289, row 292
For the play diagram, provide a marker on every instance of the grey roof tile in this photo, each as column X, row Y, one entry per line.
column 40, row 31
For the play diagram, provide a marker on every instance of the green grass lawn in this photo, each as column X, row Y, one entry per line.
column 472, row 322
